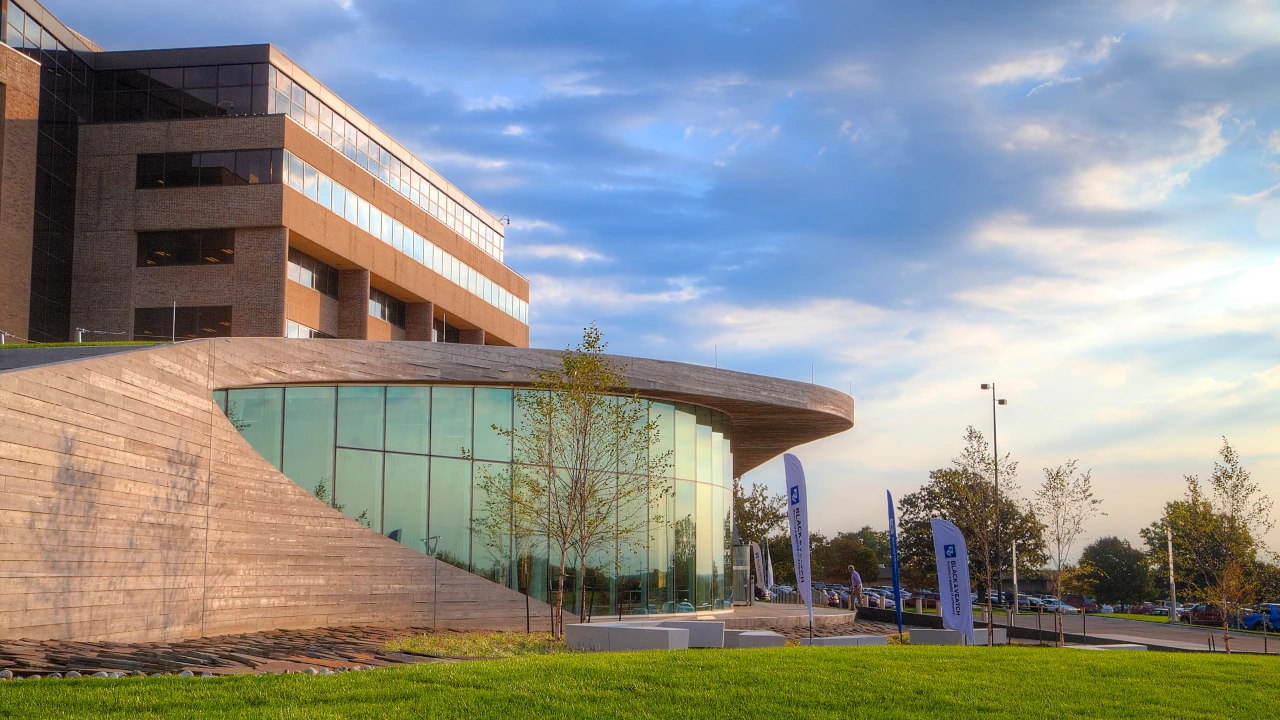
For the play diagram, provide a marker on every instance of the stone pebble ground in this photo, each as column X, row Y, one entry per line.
column 322, row 651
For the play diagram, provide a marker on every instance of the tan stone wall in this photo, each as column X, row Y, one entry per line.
column 19, row 107
column 132, row 510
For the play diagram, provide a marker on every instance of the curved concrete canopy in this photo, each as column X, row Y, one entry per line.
column 769, row 415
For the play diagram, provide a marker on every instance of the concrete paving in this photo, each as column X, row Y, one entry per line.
column 1168, row 635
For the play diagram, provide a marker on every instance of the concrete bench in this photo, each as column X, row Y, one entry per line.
column 620, row 638
column 847, row 641
column 980, row 636
column 925, row 636
column 753, row 639
column 702, row 633
column 1116, row 646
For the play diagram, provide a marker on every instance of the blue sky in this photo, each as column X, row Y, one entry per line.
column 1079, row 201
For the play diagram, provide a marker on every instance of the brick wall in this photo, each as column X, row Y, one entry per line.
column 19, row 105
column 110, row 212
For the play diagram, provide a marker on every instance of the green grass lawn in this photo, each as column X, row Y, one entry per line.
column 27, row 346
column 884, row 683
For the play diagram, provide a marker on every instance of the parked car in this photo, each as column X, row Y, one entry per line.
column 1107, row 608
column 1202, row 614
column 1060, row 607
column 1159, row 611
column 1266, row 614
column 929, row 599
column 1086, row 604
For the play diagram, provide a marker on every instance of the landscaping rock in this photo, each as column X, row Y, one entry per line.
column 311, row 671
column 138, row 673
column 6, row 674
column 100, row 674
column 186, row 673
column 206, row 674
column 71, row 674
column 54, row 676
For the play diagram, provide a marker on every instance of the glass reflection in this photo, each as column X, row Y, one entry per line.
column 396, row 459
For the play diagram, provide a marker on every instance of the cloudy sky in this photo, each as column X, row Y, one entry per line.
column 1079, row 201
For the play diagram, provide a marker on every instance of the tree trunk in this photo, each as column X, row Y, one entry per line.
column 557, row 622
column 1062, row 641
column 991, row 618
column 1226, row 632
column 582, row 590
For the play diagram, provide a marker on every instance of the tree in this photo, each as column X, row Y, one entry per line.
column 844, row 550
column 1113, row 571
column 876, row 540
column 758, row 514
column 1217, row 533
column 965, row 494
column 1064, row 503
column 583, row 474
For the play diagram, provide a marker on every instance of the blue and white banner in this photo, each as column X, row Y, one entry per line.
column 798, row 516
column 955, row 604
column 893, row 555
column 768, row 566
column 758, row 561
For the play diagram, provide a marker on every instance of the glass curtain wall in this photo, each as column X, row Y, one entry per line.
column 408, row 461
column 66, row 100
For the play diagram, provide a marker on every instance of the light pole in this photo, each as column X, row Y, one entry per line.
column 995, row 470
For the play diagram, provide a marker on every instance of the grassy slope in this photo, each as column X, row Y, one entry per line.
column 884, row 683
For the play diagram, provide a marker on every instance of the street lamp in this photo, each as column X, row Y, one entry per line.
column 995, row 469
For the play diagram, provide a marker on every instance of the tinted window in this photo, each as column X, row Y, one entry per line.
column 231, row 167
column 186, row 247
column 185, row 323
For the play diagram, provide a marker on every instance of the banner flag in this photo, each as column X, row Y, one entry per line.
column 759, row 564
column 798, row 515
column 954, row 604
column 893, row 554
column 768, row 566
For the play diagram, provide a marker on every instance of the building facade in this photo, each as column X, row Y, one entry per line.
column 210, row 192
column 137, row 508
column 315, row 448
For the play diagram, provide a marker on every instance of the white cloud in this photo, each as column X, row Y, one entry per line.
column 493, row 102
column 1258, row 196
column 513, row 130
column 1140, row 183
column 535, row 225
column 1273, row 142
column 851, row 76
column 1032, row 135
column 608, row 294
column 566, row 252
column 1036, row 66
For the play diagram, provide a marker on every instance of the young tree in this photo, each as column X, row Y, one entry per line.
column 583, row 474
column 1217, row 535
column 758, row 514
column 1114, row 571
column 1064, row 503
column 966, row 495
column 937, row 499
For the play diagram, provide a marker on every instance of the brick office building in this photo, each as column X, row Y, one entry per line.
column 223, row 191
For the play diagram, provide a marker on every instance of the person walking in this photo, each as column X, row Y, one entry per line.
column 855, row 588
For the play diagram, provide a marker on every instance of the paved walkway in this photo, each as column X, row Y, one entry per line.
column 1170, row 635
